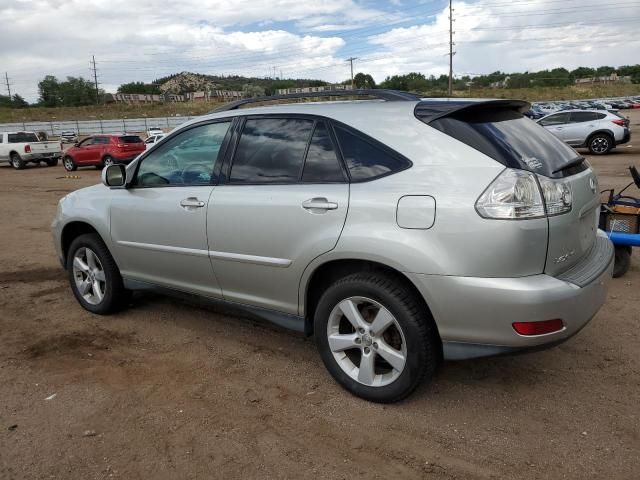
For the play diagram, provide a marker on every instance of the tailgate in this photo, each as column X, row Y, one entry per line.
column 45, row 147
column 571, row 235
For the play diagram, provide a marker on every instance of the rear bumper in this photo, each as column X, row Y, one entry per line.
column 625, row 138
column 34, row 157
column 475, row 315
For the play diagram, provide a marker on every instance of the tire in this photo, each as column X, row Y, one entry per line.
column 17, row 162
column 107, row 160
column 411, row 334
column 622, row 261
column 52, row 162
column 600, row 144
column 91, row 266
column 69, row 164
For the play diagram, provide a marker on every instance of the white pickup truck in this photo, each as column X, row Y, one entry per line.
column 20, row 148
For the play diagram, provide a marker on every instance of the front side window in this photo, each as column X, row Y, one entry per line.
column 557, row 119
column 101, row 141
column 364, row 159
column 271, row 150
column 86, row 142
column 189, row 158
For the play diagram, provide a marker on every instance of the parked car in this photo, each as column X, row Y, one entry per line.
column 68, row 136
column 103, row 150
column 468, row 231
column 599, row 131
column 20, row 148
column 154, row 131
column 153, row 139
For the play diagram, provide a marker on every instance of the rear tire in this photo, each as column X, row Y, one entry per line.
column 69, row 164
column 396, row 348
column 94, row 276
column 17, row 162
column 600, row 144
column 52, row 163
column 622, row 261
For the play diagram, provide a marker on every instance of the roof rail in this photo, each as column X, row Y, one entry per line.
column 383, row 94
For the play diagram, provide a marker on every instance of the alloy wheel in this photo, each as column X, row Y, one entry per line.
column 600, row 144
column 68, row 164
column 89, row 276
column 367, row 341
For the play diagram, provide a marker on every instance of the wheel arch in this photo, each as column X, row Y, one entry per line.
column 326, row 273
column 602, row 130
column 73, row 230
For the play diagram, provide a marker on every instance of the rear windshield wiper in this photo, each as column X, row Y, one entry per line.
column 573, row 163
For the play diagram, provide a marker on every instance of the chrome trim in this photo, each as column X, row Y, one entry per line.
column 239, row 257
column 164, row 248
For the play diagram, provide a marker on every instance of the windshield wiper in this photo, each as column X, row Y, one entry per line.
column 572, row 163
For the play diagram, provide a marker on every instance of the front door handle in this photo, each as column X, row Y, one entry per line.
column 319, row 203
column 192, row 202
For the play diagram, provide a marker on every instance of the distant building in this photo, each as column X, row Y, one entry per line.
column 325, row 88
column 203, row 96
column 613, row 78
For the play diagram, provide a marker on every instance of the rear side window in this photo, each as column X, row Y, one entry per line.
column 366, row 160
column 579, row 117
column 511, row 139
column 322, row 164
column 22, row 137
column 271, row 150
column 129, row 139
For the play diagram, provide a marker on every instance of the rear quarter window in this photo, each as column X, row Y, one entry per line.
column 22, row 137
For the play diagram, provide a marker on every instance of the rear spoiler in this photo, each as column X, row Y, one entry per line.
column 430, row 110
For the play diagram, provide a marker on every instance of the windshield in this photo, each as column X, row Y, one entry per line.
column 23, row 137
column 512, row 139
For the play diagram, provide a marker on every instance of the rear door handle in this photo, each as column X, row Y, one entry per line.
column 319, row 203
column 192, row 202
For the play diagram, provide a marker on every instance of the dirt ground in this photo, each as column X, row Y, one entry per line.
column 170, row 390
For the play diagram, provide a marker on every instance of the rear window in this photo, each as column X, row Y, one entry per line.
column 510, row 138
column 23, row 137
column 130, row 139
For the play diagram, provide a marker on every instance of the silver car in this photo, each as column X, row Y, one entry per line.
column 598, row 130
column 398, row 232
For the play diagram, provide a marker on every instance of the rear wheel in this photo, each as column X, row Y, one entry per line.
column 622, row 261
column 375, row 337
column 69, row 164
column 17, row 162
column 94, row 276
column 600, row 144
column 52, row 162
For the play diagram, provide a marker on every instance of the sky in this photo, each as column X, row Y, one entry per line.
column 143, row 40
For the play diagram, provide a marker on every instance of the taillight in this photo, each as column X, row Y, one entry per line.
column 538, row 328
column 620, row 122
column 27, row 149
column 518, row 194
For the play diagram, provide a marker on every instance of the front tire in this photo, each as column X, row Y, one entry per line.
column 107, row 160
column 375, row 337
column 69, row 164
column 600, row 144
column 17, row 162
column 94, row 276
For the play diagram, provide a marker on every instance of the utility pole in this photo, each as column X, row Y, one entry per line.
column 350, row 60
column 451, row 52
column 6, row 77
column 95, row 78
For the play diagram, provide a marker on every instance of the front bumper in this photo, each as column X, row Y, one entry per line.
column 475, row 315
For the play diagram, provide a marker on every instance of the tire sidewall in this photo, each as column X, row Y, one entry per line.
column 601, row 135
column 112, row 278
column 66, row 167
column 416, row 357
column 17, row 162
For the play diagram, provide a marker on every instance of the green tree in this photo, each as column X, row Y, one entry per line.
column 73, row 92
column 139, row 87
column 363, row 80
column 19, row 102
column 251, row 91
column 49, row 90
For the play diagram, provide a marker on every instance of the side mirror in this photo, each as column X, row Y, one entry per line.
column 114, row 176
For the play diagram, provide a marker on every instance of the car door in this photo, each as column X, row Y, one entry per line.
column 158, row 224
column 283, row 203
column 580, row 126
column 82, row 153
column 556, row 123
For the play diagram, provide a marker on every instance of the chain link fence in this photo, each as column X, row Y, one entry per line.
column 94, row 127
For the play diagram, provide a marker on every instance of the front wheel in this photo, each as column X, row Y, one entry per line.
column 107, row 160
column 94, row 276
column 17, row 162
column 622, row 261
column 600, row 144
column 69, row 164
column 375, row 337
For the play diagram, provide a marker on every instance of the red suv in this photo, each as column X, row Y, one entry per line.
column 103, row 150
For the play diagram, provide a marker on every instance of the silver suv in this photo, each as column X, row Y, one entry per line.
column 398, row 232
column 599, row 131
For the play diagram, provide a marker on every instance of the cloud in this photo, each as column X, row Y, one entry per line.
column 144, row 40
